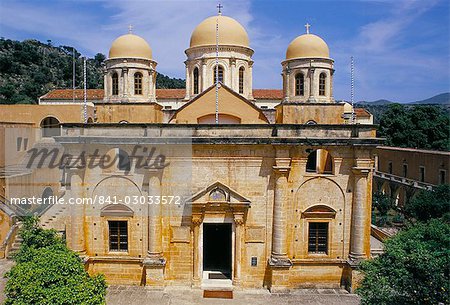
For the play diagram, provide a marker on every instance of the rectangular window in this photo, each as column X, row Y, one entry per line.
column 138, row 84
column 118, row 236
column 19, row 143
column 241, row 81
column 422, row 174
column 318, row 237
column 25, row 143
column 405, row 170
column 442, row 176
column 390, row 168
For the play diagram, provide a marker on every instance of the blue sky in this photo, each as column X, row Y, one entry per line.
column 401, row 47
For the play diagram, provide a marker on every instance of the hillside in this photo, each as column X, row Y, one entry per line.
column 30, row 68
column 440, row 99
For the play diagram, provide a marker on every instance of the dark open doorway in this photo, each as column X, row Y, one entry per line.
column 217, row 249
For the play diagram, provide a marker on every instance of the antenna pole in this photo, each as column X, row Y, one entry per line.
column 73, row 75
column 219, row 13
column 85, row 92
column 352, row 88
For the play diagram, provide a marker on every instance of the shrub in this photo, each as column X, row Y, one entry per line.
column 430, row 204
column 47, row 272
column 413, row 270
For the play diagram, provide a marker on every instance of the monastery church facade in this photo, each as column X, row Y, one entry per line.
column 276, row 195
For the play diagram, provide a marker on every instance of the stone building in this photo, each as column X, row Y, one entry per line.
column 402, row 172
column 274, row 186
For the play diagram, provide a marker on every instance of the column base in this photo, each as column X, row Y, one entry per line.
column 279, row 262
column 355, row 259
column 352, row 276
column 196, row 283
column 154, row 271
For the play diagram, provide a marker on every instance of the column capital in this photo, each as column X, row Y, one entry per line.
column 197, row 219
column 233, row 61
column 282, row 165
column 239, row 219
column 361, row 171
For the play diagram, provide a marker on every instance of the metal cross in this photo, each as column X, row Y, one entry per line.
column 219, row 8
column 130, row 29
column 307, row 26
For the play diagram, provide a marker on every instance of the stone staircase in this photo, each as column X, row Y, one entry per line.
column 14, row 247
column 55, row 218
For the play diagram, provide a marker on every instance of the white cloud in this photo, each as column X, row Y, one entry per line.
column 167, row 25
column 386, row 67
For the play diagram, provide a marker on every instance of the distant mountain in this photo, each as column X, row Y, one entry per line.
column 441, row 99
column 375, row 103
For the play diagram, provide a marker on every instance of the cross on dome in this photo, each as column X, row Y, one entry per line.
column 219, row 9
column 130, row 29
column 307, row 26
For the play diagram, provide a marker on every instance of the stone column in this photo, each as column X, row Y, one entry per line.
column 196, row 222
column 77, row 233
column 154, row 262
column 312, row 86
column 154, row 220
column 360, row 229
column 288, row 83
column 125, row 82
column 234, row 78
column 250, row 81
column 152, row 85
column 189, row 88
column 279, row 256
column 239, row 226
column 204, row 83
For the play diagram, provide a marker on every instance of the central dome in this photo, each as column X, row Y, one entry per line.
column 307, row 46
column 130, row 46
column 231, row 32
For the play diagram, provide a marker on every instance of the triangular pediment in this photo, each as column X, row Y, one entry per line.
column 233, row 109
column 218, row 193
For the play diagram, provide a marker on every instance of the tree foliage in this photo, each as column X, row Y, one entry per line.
column 382, row 203
column 47, row 272
column 29, row 69
column 414, row 269
column 430, row 204
column 423, row 126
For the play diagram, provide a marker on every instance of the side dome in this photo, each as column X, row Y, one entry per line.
column 231, row 32
column 130, row 46
column 307, row 46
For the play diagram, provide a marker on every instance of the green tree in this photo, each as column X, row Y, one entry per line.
column 47, row 272
column 430, row 204
column 414, row 269
column 424, row 126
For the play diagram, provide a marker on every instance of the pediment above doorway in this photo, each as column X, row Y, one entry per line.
column 218, row 198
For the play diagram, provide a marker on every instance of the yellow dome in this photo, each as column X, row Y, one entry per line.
column 231, row 32
column 130, row 46
column 306, row 46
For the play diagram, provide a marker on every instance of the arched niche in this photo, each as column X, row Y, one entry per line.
column 223, row 119
column 319, row 211
column 50, row 127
